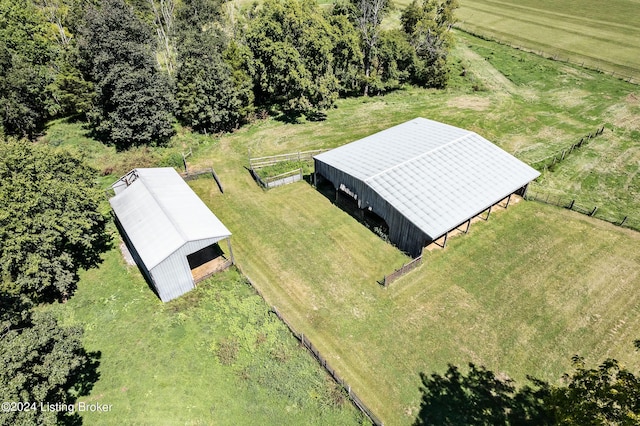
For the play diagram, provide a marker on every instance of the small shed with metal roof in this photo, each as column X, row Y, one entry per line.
column 171, row 234
column 424, row 178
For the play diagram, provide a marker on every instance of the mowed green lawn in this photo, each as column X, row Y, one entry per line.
column 520, row 294
column 601, row 34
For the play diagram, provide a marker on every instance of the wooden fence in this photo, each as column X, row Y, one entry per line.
column 551, row 160
column 278, row 180
column 195, row 174
column 568, row 203
column 404, row 269
column 260, row 162
column 316, row 353
column 323, row 362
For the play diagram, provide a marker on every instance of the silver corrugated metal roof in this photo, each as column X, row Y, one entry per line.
column 434, row 174
column 160, row 213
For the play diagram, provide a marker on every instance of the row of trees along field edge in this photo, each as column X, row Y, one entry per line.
column 131, row 69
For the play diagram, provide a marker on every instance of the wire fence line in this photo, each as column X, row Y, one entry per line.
column 321, row 360
column 553, row 56
column 550, row 161
column 621, row 220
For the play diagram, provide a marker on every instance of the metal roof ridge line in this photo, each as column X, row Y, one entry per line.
column 166, row 214
column 431, row 151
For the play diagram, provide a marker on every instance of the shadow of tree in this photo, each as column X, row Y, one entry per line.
column 481, row 398
column 87, row 375
column 83, row 378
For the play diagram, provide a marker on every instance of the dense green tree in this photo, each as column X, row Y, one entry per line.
column 428, row 26
column 393, row 63
column 26, row 53
column 133, row 103
column 212, row 96
column 606, row 395
column 206, row 92
column 368, row 16
column 292, row 48
column 43, row 363
column 347, row 53
column 50, row 224
column 71, row 94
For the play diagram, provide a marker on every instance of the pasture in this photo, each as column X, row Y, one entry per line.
column 602, row 35
column 520, row 294
column 215, row 356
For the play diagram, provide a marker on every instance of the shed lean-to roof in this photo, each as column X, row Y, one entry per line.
column 436, row 175
column 160, row 213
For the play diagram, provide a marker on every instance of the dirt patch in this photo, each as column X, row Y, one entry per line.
column 624, row 116
column 569, row 98
column 126, row 254
column 475, row 103
column 632, row 98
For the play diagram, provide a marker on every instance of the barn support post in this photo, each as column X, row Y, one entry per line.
column 233, row 260
column 488, row 214
column 468, row 225
column 508, row 201
column 446, row 236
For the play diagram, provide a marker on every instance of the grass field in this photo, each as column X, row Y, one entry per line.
column 602, row 35
column 521, row 294
column 215, row 356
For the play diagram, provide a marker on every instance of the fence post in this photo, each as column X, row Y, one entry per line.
column 571, row 205
column 623, row 221
column 593, row 211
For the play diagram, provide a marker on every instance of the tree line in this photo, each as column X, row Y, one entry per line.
column 131, row 69
column 51, row 227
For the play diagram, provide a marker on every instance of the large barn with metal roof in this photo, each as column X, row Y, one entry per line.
column 171, row 234
column 424, row 178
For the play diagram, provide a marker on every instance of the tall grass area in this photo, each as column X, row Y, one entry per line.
column 520, row 294
column 214, row 356
column 602, row 35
